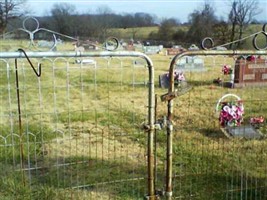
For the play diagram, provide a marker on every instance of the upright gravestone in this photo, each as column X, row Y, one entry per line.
column 153, row 49
column 164, row 81
column 174, row 51
column 250, row 72
column 189, row 63
column 179, row 79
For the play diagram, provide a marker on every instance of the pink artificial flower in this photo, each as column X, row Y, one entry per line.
column 226, row 69
column 251, row 58
column 179, row 75
column 257, row 120
column 231, row 114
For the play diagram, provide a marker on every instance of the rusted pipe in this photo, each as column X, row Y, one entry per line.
column 150, row 142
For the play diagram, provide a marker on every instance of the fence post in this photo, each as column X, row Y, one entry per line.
column 168, row 191
column 151, row 132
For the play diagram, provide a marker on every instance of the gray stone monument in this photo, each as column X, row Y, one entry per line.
column 190, row 63
column 152, row 49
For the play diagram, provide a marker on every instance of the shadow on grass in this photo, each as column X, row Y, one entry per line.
column 214, row 186
column 212, row 133
column 78, row 176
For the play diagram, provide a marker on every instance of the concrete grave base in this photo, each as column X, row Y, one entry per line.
column 245, row 131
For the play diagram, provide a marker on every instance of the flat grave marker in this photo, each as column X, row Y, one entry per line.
column 246, row 131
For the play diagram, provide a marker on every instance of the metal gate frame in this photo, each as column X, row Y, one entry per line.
column 151, row 126
column 172, row 93
column 151, row 100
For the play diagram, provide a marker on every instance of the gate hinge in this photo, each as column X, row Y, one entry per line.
column 177, row 92
column 168, row 96
column 161, row 123
column 154, row 197
column 147, row 127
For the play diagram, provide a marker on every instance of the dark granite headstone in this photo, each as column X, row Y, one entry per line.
column 174, row 51
column 164, row 81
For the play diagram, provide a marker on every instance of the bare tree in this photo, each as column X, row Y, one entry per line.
column 167, row 29
column 202, row 22
column 9, row 9
column 221, row 32
column 241, row 14
column 62, row 14
column 104, row 22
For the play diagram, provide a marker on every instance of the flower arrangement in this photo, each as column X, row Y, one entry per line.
column 231, row 113
column 226, row 69
column 251, row 58
column 178, row 76
column 257, row 121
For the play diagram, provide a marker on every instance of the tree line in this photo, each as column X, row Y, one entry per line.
column 64, row 18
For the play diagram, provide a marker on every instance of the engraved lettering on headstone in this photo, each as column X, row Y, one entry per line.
column 250, row 73
column 249, row 77
column 152, row 49
column 189, row 63
column 264, row 76
column 256, row 66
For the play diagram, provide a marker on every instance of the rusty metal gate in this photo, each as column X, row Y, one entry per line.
column 71, row 125
column 203, row 159
column 72, row 121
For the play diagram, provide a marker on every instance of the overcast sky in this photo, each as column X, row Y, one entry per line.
column 179, row 9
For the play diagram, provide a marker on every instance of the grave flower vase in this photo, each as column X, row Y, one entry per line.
column 230, row 112
column 232, row 78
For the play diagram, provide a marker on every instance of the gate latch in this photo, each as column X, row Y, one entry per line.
column 177, row 92
column 161, row 123
column 169, row 96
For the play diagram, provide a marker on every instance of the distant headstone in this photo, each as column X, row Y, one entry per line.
column 250, row 73
column 219, row 48
column 189, row 63
column 152, row 49
column 174, row 51
column 164, row 81
column 129, row 47
column 193, row 47
column 138, row 47
column 179, row 79
column 139, row 63
column 91, row 47
column 45, row 43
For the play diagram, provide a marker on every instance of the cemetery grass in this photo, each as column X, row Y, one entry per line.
column 206, row 163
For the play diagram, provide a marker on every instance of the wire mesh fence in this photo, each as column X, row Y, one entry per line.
column 75, row 131
column 207, row 161
column 82, row 129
